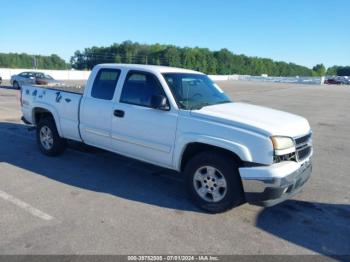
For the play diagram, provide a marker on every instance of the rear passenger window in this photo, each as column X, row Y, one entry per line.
column 139, row 87
column 105, row 84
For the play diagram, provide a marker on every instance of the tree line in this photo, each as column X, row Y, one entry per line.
column 339, row 71
column 15, row 60
column 222, row 62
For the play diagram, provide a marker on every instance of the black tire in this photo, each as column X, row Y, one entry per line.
column 228, row 168
column 58, row 144
column 16, row 85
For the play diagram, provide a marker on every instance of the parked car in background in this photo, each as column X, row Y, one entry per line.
column 0, row 80
column 346, row 80
column 332, row 81
column 32, row 78
column 338, row 80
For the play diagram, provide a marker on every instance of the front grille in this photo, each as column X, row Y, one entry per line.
column 303, row 139
column 303, row 147
column 303, row 153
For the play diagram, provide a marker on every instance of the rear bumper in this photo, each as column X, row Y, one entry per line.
column 270, row 185
column 29, row 125
column 25, row 121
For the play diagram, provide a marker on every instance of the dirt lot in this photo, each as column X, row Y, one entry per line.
column 92, row 202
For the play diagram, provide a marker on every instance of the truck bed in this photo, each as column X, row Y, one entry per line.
column 76, row 87
column 63, row 102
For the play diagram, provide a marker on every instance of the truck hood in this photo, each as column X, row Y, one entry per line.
column 256, row 118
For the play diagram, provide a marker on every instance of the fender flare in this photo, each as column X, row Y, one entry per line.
column 240, row 150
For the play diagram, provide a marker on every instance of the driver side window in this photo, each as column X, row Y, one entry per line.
column 139, row 87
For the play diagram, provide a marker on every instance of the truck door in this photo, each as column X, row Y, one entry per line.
column 137, row 129
column 96, row 109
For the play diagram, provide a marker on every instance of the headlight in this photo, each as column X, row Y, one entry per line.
column 283, row 145
column 282, row 142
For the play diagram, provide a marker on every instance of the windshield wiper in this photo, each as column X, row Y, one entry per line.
column 200, row 106
column 223, row 102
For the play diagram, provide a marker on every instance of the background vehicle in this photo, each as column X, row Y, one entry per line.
column 346, row 80
column 0, row 80
column 32, row 78
column 332, row 81
column 338, row 80
column 179, row 119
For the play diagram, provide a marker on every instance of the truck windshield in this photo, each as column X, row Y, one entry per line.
column 194, row 91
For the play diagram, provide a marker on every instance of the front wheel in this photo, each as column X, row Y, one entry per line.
column 16, row 85
column 213, row 182
column 48, row 139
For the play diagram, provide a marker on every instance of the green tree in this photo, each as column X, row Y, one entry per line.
column 343, row 71
column 15, row 60
column 332, row 71
column 319, row 70
column 201, row 59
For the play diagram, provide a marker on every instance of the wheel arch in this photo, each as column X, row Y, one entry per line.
column 41, row 111
column 194, row 148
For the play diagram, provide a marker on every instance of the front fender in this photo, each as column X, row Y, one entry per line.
column 50, row 109
column 240, row 150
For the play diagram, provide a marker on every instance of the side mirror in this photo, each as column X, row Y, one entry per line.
column 159, row 102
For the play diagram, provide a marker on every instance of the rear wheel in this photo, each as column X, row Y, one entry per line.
column 16, row 85
column 48, row 139
column 213, row 182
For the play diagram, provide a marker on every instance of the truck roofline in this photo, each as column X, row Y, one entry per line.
column 150, row 68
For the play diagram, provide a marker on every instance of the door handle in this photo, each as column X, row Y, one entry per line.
column 119, row 113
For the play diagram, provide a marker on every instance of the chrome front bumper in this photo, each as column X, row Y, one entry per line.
column 270, row 185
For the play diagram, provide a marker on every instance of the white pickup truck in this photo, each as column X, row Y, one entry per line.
column 179, row 119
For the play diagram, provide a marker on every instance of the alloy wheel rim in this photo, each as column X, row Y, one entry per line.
column 46, row 137
column 210, row 184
